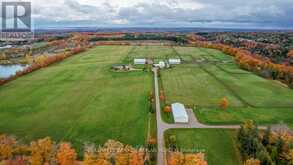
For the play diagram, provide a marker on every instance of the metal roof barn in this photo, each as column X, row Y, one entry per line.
column 140, row 61
column 174, row 61
column 179, row 113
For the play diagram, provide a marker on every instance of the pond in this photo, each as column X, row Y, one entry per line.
column 9, row 70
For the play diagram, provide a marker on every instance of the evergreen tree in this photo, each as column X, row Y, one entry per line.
column 266, row 138
column 249, row 139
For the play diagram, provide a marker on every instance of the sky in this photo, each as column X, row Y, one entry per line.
column 264, row 14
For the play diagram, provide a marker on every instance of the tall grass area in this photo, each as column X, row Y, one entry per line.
column 79, row 100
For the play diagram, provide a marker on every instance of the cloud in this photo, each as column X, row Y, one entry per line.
column 270, row 13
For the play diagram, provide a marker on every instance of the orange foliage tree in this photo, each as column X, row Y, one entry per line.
column 66, row 155
column 45, row 152
column 178, row 158
column 167, row 109
column 152, row 141
column 162, row 97
column 290, row 54
column 224, row 103
column 252, row 162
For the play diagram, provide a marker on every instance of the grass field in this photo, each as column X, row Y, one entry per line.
column 153, row 52
column 219, row 145
column 262, row 116
column 211, row 76
column 79, row 100
column 193, row 86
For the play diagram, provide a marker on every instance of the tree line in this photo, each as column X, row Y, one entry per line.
column 46, row 151
column 265, row 147
column 41, row 62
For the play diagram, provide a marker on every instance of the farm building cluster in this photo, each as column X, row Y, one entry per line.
column 161, row 64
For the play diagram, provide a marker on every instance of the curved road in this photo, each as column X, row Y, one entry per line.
column 162, row 126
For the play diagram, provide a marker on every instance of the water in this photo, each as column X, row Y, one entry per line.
column 9, row 70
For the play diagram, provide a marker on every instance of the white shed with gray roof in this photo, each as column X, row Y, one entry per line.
column 140, row 61
column 179, row 113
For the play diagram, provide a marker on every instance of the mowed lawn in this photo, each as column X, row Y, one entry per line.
column 220, row 146
column 191, row 85
column 212, row 76
column 79, row 100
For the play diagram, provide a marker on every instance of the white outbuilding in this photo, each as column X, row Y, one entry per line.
column 160, row 65
column 140, row 61
column 174, row 61
column 179, row 113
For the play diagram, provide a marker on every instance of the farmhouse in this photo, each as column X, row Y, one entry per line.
column 140, row 61
column 120, row 67
column 174, row 61
column 179, row 113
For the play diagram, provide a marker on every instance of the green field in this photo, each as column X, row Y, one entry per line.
column 219, row 145
column 79, row 100
column 211, row 76
column 152, row 52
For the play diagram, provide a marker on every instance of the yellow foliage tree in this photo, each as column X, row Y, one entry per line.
column 195, row 159
column 252, row 162
column 289, row 156
column 90, row 159
column 7, row 144
column 41, row 60
column 121, row 159
column 42, row 151
column 178, row 158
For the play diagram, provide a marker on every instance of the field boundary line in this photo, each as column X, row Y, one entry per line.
column 227, row 87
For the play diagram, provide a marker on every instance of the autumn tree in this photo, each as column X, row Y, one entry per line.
column 167, row 109
column 252, row 162
column 41, row 60
column 90, row 156
column 7, row 145
column 66, row 155
column 162, row 97
column 42, row 151
column 89, row 159
column 195, row 159
column 289, row 156
column 175, row 158
column 290, row 54
column 248, row 139
column 224, row 103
